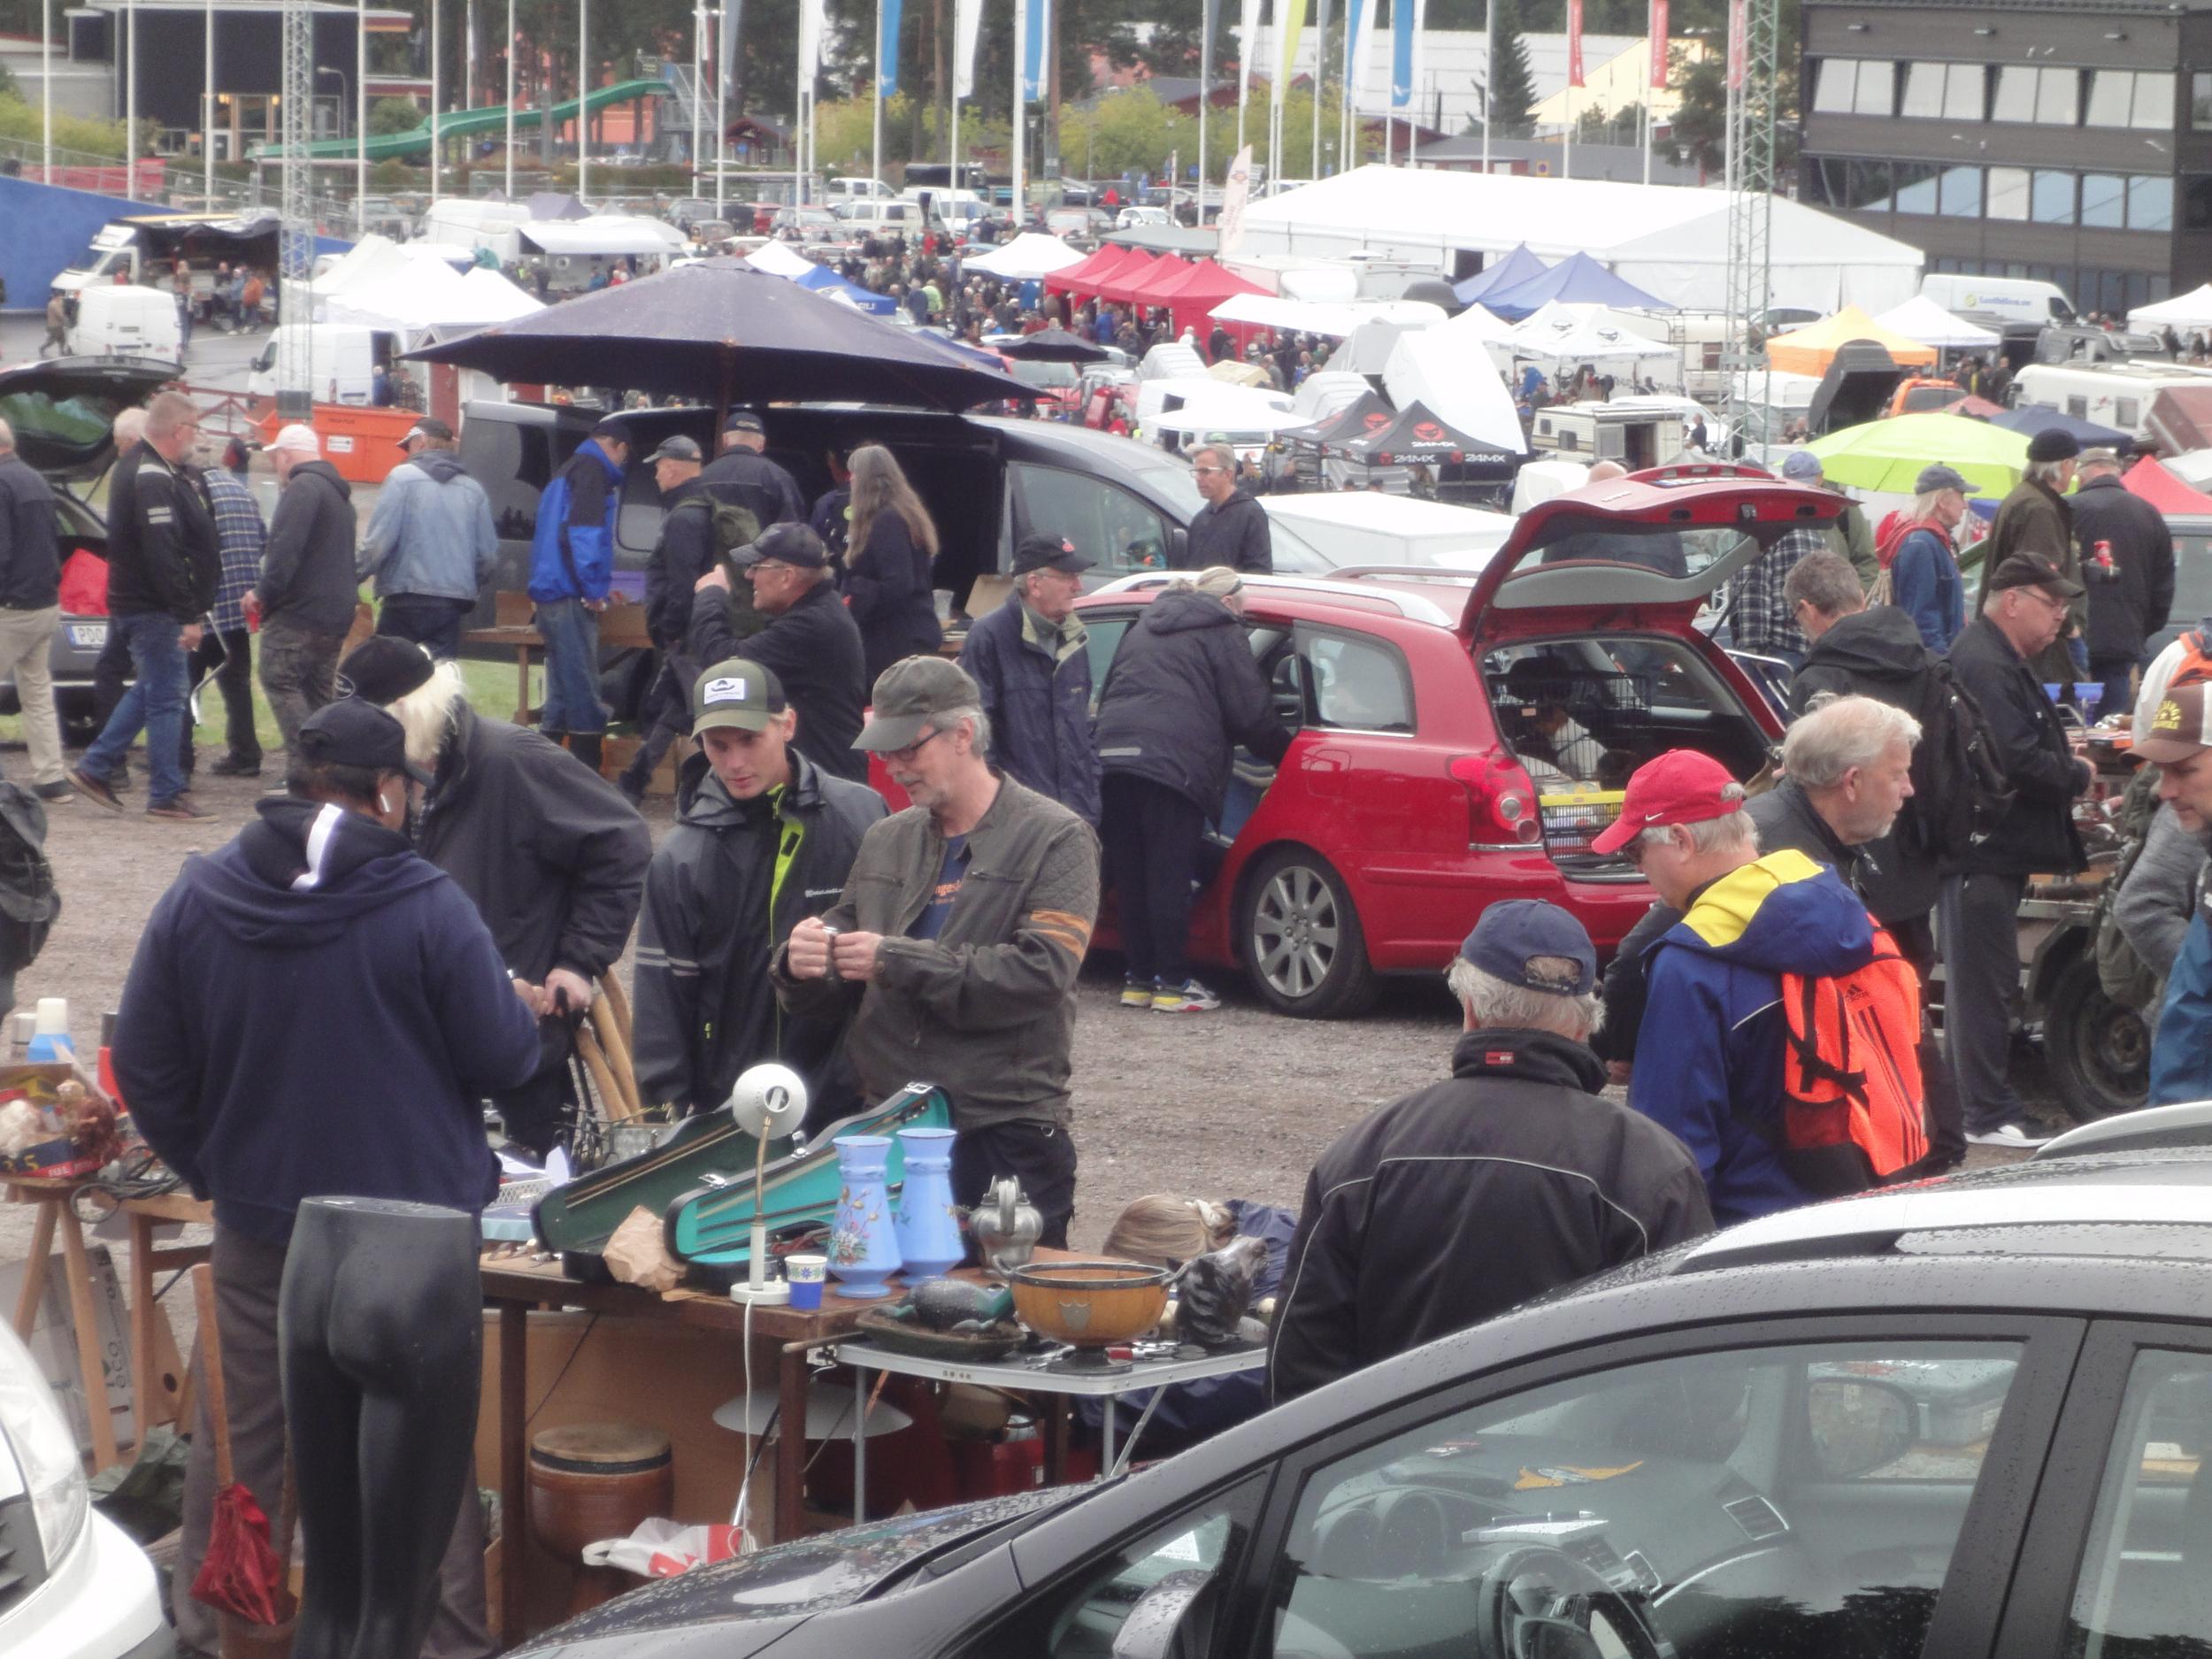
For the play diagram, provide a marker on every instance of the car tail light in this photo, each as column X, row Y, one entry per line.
column 1501, row 800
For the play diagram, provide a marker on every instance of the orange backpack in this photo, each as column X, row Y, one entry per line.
column 1852, row 1107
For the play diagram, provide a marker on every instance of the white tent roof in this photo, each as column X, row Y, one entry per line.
column 2192, row 310
column 606, row 234
column 1921, row 318
column 426, row 297
column 1554, row 316
column 1324, row 391
column 779, row 259
column 1454, row 376
column 1029, row 256
column 1477, row 323
column 1318, row 316
column 1566, row 338
column 1671, row 240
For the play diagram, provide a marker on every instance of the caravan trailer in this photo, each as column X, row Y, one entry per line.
column 1636, row 436
column 2116, row 395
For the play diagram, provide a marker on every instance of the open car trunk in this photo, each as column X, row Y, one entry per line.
column 1584, row 627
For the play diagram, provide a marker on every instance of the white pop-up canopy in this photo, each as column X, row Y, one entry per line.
column 1921, row 318
column 1333, row 319
column 780, row 258
column 429, row 296
column 1564, row 332
column 1453, row 377
column 2192, row 310
column 1671, row 240
column 1030, row 255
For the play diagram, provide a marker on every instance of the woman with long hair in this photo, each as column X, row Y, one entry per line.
column 887, row 563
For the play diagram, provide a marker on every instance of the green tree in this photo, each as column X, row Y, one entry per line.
column 394, row 115
column 1512, row 88
column 1700, row 120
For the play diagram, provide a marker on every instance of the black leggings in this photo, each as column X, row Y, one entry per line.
column 1152, row 835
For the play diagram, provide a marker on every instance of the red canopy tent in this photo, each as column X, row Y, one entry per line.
column 1130, row 285
column 1085, row 278
column 1205, row 286
column 2155, row 485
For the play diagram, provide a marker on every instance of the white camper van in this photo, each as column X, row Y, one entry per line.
column 1636, row 437
column 2116, row 394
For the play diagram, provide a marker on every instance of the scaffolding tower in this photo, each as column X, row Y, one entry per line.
column 295, row 239
column 1755, row 50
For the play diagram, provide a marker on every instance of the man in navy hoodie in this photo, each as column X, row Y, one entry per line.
column 317, row 1009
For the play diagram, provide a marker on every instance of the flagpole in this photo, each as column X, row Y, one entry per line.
column 1205, row 96
column 360, row 104
column 207, row 112
column 583, row 95
column 1489, row 78
column 875, row 160
column 1021, row 107
column 510, row 191
column 437, row 84
column 46, row 91
column 721, row 105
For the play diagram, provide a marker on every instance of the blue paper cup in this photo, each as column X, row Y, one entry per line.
column 806, row 1274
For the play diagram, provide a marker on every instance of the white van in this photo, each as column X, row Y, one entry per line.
column 118, row 321
column 2116, row 394
column 868, row 216
column 843, row 190
column 464, row 222
column 2016, row 304
column 342, row 359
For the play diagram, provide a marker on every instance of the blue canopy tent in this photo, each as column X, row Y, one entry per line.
column 2033, row 417
column 1577, row 279
column 822, row 280
column 1517, row 267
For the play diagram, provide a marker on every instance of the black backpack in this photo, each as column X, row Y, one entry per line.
column 733, row 526
column 1959, row 788
column 29, row 902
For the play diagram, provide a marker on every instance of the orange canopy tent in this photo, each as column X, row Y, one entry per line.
column 1809, row 350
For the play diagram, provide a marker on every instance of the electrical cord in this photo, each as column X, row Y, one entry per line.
column 138, row 1175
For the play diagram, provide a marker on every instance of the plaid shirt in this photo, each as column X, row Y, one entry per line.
column 1763, row 624
column 240, row 531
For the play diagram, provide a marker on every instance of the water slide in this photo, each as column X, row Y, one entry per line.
column 468, row 124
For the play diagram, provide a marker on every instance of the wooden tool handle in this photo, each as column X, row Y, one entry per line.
column 211, row 1370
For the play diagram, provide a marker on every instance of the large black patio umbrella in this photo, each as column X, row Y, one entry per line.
column 1051, row 345
column 721, row 332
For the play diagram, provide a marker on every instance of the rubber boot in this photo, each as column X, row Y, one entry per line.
column 586, row 745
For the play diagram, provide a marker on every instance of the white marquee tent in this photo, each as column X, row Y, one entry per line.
column 1028, row 256
column 1671, row 240
column 1921, row 318
column 2192, row 310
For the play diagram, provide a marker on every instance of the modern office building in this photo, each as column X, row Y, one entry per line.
column 2072, row 144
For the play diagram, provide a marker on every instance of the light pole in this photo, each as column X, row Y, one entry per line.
column 46, row 91
column 360, row 103
column 510, row 100
column 583, row 92
column 435, row 86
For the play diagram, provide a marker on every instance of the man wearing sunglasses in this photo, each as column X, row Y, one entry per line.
column 1232, row 528
column 2025, row 611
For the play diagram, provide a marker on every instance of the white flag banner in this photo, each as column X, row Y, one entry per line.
column 810, row 41
column 1247, row 42
column 1235, row 195
column 1358, row 42
column 967, row 22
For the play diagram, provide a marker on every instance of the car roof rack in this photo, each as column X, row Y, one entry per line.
column 1414, row 607
column 1404, row 574
column 2149, row 1128
column 1873, row 1224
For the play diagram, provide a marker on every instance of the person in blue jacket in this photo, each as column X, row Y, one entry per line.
column 315, row 1010
column 1924, row 578
column 2175, row 740
column 571, row 575
column 1030, row 660
column 1163, row 1230
column 1714, row 978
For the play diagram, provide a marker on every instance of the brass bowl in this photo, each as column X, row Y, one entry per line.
column 1089, row 1304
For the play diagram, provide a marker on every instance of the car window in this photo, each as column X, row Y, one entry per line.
column 1188, row 1561
column 514, row 462
column 637, row 526
column 1359, row 684
column 2142, row 1587
column 1103, row 520
column 1101, row 639
column 1781, row 1500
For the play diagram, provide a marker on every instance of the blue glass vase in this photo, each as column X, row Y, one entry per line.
column 864, row 1248
column 928, row 1227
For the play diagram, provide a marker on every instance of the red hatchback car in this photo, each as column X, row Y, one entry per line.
column 1460, row 738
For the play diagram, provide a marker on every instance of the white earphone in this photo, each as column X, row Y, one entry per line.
column 383, row 804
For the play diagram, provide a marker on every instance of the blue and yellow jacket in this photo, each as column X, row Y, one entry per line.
column 572, row 550
column 1709, row 1065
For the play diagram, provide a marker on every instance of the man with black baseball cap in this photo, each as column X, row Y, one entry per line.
column 2037, row 518
column 763, row 838
column 1511, row 1178
column 744, row 476
column 316, row 1010
column 970, row 983
column 1030, row 660
column 2025, row 611
column 430, row 544
column 681, row 555
column 811, row 641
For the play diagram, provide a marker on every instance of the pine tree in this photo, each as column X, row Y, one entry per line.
column 1512, row 89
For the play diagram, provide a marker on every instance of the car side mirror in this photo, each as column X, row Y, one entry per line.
column 1170, row 1621
column 1178, row 545
column 1858, row 1424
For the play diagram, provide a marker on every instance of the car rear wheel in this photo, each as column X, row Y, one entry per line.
column 2099, row 1051
column 1303, row 948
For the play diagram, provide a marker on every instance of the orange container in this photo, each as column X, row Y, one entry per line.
column 361, row 444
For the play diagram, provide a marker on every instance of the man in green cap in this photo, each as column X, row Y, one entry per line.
column 956, row 944
column 763, row 838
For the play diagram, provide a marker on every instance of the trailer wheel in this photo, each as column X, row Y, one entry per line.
column 2099, row 1052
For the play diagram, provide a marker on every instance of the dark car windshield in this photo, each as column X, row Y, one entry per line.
column 1045, row 376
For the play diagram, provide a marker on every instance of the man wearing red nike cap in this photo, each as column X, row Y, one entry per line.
column 1715, row 976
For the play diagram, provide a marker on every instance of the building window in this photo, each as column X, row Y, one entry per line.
column 1915, row 188
column 2051, row 201
column 1945, row 91
column 1827, row 182
column 2103, row 201
column 1855, row 86
column 2196, row 203
column 2127, row 98
column 1868, row 187
column 2200, row 102
column 2150, row 204
column 2007, row 193
column 1960, row 193
column 2045, row 97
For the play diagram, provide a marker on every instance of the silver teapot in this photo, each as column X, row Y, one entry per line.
column 1006, row 1225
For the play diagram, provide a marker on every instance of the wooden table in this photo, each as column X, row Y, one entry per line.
column 517, row 631
column 158, row 1390
column 55, row 1217
column 514, row 1284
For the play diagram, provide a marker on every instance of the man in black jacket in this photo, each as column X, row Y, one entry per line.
column 551, row 854
column 308, row 588
column 164, row 566
column 1513, row 1179
column 30, row 611
column 811, row 642
column 679, row 558
column 2024, row 613
column 1030, row 660
column 1232, row 528
column 744, row 476
column 763, row 838
column 2127, row 564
